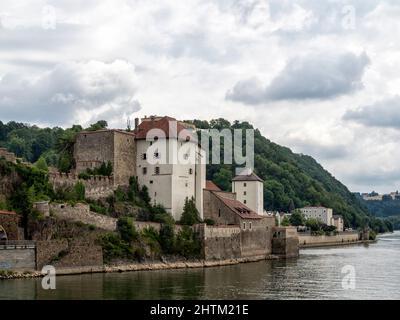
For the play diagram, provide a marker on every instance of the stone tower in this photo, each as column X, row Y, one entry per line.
column 249, row 190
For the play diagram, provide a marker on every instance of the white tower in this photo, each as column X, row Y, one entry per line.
column 249, row 190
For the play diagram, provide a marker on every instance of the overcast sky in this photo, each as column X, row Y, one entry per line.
column 321, row 77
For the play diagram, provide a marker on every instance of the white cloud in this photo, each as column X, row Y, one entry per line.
column 69, row 91
column 188, row 54
column 314, row 76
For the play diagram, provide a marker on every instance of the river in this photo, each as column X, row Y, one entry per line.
column 316, row 274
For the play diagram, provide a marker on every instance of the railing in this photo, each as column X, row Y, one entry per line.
column 17, row 243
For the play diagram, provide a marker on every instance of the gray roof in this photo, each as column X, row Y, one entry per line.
column 250, row 177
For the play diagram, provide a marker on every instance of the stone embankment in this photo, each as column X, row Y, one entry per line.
column 138, row 267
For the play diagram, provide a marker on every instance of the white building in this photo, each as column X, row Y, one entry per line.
column 320, row 213
column 338, row 222
column 170, row 163
column 249, row 190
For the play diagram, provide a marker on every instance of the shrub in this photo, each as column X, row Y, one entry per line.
column 120, row 195
column 187, row 244
column 114, row 247
column 127, row 230
column 80, row 191
column 98, row 208
column 84, row 176
column 167, row 238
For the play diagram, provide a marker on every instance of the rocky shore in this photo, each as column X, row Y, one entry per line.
column 136, row 267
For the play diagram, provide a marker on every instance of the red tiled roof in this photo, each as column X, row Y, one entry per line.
column 163, row 125
column 239, row 208
column 250, row 177
column 7, row 212
column 212, row 186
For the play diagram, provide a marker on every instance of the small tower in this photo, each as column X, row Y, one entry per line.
column 249, row 190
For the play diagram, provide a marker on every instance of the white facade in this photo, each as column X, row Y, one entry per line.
column 338, row 222
column 320, row 213
column 250, row 193
column 168, row 180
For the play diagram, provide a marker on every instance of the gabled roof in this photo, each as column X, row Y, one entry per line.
column 238, row 208
column 249, row 177
column 211, row 186
column 163, row 125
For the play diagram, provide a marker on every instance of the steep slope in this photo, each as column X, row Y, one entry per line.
column 290, row 180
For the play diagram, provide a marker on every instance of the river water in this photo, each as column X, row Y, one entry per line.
column 316, row 274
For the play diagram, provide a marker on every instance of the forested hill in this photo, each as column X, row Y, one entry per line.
column 290, row 180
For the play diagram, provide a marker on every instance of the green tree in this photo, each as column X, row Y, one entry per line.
column 285, row 222
column 297, row 218
column 99, row 125
column 313, row 224
column 167, row 238
column 223, row 179
column 190, row 215
column 144, row 195
column 41, row 164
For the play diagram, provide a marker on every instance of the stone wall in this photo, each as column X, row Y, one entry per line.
column 95, row 188
column 93, row 148
column 285, row 242
column 124, row 157
column 232, row 242
column 9, row 221
column 9, row 156
column 17, row 258
column 220, row 243
column 96, row 147
column 345, row 237
column 257, row 240
column 81, row 212
column 64, row 254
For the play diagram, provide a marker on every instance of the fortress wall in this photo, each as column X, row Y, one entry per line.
column 96, row 187
column 341, row 238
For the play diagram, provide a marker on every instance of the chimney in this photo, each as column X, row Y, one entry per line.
column 136, row 123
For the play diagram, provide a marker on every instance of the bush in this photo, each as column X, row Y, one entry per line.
column 187, row 244
column 80, row 191
column 120, row 195
column 167, row 238
column 127, row 230
column 372, row 235
column 98, row 208
column 84, row 176
column 114, row 247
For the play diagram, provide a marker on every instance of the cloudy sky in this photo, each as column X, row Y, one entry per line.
column 321, row 77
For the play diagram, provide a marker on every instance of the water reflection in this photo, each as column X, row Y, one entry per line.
column 315, row 275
